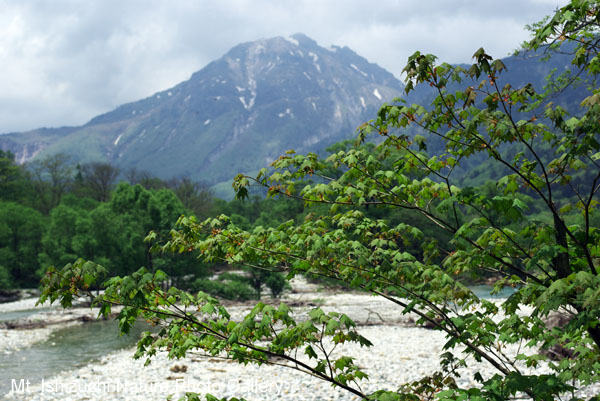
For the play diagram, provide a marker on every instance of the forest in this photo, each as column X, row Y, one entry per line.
column 53, row 212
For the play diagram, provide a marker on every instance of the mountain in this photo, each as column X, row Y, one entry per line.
column 235, row 115
column 526, row 68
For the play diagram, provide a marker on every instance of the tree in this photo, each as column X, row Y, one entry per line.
column 144, row 178
column 141, row 210
column 551, row 258
column 194, row 195
column 52, row 177
column 21, row 231
column 98, row 180
column 5, row 279
column 11, row 177
column 112, row 233
column 70, row 234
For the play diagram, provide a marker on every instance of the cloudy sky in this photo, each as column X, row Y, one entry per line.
column 64, row 61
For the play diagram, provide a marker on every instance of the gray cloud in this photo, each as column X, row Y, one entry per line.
column 66, row 61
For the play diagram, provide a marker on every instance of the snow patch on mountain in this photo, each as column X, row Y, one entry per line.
column 292, row 40
column 315, row 59
column 252, row 86
column 287, row 112
column 337, row 114
column 359, row 70
column 269, row 67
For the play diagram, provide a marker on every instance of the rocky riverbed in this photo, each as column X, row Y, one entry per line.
column 39, row 322
column 401, row 353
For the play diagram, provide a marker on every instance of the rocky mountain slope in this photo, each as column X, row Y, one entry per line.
column 235, row 115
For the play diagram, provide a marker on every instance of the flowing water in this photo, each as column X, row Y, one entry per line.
column 65, row 349
column 19, row 314
column 483, row 291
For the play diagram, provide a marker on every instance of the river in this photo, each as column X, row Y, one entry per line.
column 66, row 348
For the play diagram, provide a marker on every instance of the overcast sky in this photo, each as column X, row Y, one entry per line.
column 64, row 61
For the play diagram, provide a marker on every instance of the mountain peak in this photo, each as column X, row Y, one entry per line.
column 236, row 114
column 303, row 40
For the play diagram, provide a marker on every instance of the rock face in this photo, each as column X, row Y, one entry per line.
column 235, row 115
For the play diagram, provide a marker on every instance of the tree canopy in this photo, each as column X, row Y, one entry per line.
column 535, row 229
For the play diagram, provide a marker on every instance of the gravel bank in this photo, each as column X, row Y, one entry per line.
column 39, row 325
column 118, row 377
column 401, row 353
column 22, row 304
column 13, row 340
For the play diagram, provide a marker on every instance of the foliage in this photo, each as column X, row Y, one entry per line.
column 12, row 178
column 83, row 219
column 552, row 263
column 195, row 196
column 52, row 177
column 233, row 286
column 243, row 287
column 21, row 231
column 112, row 233
column 5, row 278
column 96, row 180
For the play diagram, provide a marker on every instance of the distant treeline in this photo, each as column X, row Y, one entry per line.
column 53, row 211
